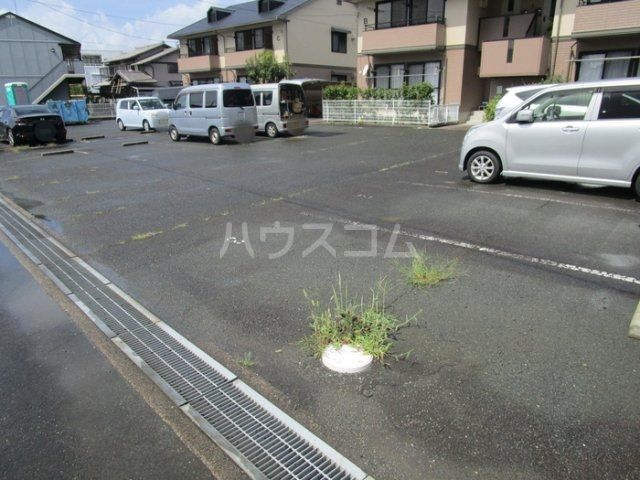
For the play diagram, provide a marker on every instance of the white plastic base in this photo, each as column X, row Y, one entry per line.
column 346, row 359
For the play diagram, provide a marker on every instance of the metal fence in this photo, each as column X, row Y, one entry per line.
column 101, row 110
column 389, row 112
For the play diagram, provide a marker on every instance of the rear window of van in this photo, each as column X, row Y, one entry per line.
column 237, row 98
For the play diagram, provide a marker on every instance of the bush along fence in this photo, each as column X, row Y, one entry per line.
column 409, row 105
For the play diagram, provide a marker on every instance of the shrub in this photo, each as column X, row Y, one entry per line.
column 340, row 92
column 490, row 108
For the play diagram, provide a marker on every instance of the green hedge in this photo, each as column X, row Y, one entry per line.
column 420, row 91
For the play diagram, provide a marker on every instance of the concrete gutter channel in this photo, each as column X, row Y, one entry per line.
column 264, row 441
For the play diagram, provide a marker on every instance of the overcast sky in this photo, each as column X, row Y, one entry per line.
column 96, row 25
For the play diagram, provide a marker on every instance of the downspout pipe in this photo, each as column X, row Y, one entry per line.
column 555, row 54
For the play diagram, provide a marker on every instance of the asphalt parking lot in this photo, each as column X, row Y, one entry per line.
column 519, row 368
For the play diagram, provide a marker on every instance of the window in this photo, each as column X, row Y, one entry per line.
column 124, row 105
column 400, row 13
column 195, row 100
column 395, row 76
column 620, row 105
column 614, row 64
column 338, row 41
column 180, row 102
column 263, row 98
column 210, row 46
column 570, row 105
column 339, row 78
column 237, row 98
column 382, row 76
column 253, row 39
column 172, row 67
column 211, row 99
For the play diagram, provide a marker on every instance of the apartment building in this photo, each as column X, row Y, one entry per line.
column 472, row 49
column 317, row 36
column 46, row 60
column 596, row 39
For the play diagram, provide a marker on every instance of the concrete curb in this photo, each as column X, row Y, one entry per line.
column 130, row 144
column 56, row 152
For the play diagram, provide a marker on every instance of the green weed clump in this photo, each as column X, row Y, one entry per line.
column 427, row 272
column 353, row 321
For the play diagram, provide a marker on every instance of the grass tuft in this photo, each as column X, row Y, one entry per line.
column 427, row 272
column 247, row 360
column 353, row 321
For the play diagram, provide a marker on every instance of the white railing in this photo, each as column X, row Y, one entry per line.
column 101, row 110
column 389, row 112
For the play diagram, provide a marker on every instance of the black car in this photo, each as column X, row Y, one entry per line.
column 31, row 124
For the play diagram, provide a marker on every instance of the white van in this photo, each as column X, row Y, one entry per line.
column 584, row 132
column 281, row 108
column 217, row 111
column 141, row 112
column 516, row 95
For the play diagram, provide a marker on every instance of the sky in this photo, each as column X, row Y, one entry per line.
column 99, row 26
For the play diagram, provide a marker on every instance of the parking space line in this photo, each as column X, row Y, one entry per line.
column 489, row 250
column 523, row 197
column 634, row 326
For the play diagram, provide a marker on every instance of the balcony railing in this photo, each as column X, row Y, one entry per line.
column 613, row 17
column 597, row 2
column 428, row 36
column 404, row 23
column 524, row 57
column 202, row 63
column 508, row 27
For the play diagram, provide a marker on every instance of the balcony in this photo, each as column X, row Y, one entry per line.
column 238, row 59
column 529, row 57
column 606, row 18
column 507, row 27
column 201, row 63
column 413, row 38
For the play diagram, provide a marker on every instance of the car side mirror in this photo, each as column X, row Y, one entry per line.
column 136, row 107
column 524, row 116
column 174, row 106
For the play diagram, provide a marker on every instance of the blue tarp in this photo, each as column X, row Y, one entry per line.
column 71, row 111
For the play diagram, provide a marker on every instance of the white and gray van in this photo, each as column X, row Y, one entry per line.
column 584, row 132
column 281, row 108
column 141, row 112
column 217, row 111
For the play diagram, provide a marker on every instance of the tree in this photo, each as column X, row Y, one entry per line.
column 264, row 68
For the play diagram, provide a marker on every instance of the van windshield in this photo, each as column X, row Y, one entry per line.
column 151, row 104
column 238, row 98
column 291, row 99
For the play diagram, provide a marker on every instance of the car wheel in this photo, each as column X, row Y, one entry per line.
column 121, row 125
column 271, row 130
column 173, row 133
column 483, row 167
column 10, row 138
column 214, row 135
column 145, row 126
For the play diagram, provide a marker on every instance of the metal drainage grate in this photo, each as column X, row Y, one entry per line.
column 269, row 445
column 258, row 436
column 184, row 371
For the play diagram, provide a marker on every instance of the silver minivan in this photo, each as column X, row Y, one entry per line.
column 584, row 132
column 281, row 108
column 217, row 111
